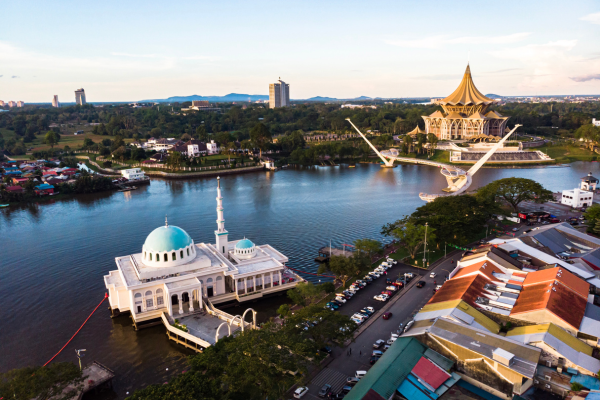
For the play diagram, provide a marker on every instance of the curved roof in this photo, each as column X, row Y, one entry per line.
column 416, row 131
column 244, row 244
column 466, row 93
column 167, row 238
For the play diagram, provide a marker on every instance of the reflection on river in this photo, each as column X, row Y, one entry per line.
column 55, row 254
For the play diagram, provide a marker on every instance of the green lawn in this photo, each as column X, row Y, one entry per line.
column 567, row 153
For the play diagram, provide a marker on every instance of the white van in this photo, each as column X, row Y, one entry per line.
column 360, row 374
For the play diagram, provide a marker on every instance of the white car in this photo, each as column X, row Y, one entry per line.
column 359, row 316
column 357, row 321
column 432, row 275
column 391, row 288
column 374, row 274
column 381, row 297
column 340, row 299
column 392, row 261
column 385, row 264
column 371, row 309
column 301, row 391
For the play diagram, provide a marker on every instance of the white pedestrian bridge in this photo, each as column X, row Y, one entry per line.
column 458, row 179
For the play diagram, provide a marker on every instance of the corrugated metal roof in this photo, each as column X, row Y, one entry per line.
column 430, row 373
column 392, row 368
column 439, row 359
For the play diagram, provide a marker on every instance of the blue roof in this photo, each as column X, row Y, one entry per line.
column 244, row 244
column 167, row 238
column 587, row 381
column 44, row 186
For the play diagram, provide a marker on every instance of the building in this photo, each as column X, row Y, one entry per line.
column 80, row 97
column 20, row 103
column 577, row 198
column 172, row 276
column 133, row 174
column 201, row 105
column 212, row 147
column 196, row 148
column 44, row 189
column 465, row 114
column 596, row 122
column 12, row 104
column 55, row 102
column 2, row 103
column 279, row 94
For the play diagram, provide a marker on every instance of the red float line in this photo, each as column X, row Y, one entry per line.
column 72, row 337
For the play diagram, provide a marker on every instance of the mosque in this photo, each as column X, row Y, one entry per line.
column 175, row 276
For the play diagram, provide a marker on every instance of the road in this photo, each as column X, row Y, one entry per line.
column 410, row 302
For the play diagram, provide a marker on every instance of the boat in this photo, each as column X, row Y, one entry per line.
column 4, row 205
column 352, row 165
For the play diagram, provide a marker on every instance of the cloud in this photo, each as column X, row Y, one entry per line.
column 593, row 18
column 441, row 77
column 433, row 42
column 532, row 52
column 135, row 55
column 1, row 76
column 586, row 78
column 14, row 76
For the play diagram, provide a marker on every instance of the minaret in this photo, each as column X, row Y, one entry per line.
column 221, row 233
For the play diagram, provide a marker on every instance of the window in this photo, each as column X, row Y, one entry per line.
column 181, row 254
column 149, row 303
column 166, row 257
column 188, row 251
column 173, row 256
column 159, row 301
column 150, row 256
column 145, row 255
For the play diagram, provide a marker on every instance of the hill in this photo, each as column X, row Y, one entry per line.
column 227, row 98
column 494, row 96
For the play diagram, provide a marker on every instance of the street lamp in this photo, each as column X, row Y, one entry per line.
column 425, row 248
column 79, row 355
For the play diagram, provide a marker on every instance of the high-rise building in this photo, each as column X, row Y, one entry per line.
column 279, row 94
column 20, row 103
column 80, row 97
column 12, row 104
column 55, row 102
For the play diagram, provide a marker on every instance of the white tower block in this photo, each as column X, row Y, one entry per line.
column 221, row 233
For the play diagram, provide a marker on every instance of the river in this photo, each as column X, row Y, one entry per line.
column 54, row 254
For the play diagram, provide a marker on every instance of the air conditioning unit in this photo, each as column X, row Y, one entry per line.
column 536, row 381
column 547, row 386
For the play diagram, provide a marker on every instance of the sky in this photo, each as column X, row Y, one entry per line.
column 136, row 50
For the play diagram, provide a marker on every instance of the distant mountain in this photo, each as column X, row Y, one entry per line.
column 494, row 96
column 227, row 98
column 320, row 98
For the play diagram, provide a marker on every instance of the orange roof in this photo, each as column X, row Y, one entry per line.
column 466, row 93
column 437, row 114
column 467, row 289
column 558, row 299
column 484, row 267
column 566, row 278
column 477, row 115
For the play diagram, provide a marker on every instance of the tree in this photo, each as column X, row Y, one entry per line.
column 589, row 133
column 592, row 216
column 260, row 136
column 514, row 191
column 433, row 142
column 186, row 137
column 174, row 160
column 409, row 141
column 324, row 326
column 328, row 287
column 455, row 219
column 344, row 268
column 229, row 149
column 305, row 293
column 51, row 138
column 284, row 310
column 597, row 228
column 41, row 382
column 369, row 246
column 412, row 237
column 87, row 142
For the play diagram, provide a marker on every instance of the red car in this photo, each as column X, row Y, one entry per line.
column 398, row 284
column 386, row 315
column 387, row 292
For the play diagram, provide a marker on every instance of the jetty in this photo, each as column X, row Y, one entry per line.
column 326, row 252
column 96, row 378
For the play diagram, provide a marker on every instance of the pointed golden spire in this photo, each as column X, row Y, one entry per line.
column 466, row 93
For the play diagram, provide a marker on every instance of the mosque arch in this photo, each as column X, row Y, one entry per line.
column 166, row 257
column 181, row 254
column 149, row 299
column 219, row 328
column 173, row 256
column 150, row 256
column 241, row 321
column 253, row 318
column 188, row 251
column 159, row 297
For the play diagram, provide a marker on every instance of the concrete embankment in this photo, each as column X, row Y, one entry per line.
column 174, row 175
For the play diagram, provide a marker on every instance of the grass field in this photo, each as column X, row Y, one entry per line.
column 567, row 153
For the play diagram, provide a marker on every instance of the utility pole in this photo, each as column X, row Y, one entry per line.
column 425, row 248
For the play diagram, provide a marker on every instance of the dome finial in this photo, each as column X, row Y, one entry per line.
column 166, row 221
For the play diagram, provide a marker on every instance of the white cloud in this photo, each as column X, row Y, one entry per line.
column 593, row 18
column 586, row 78
column 433, row 42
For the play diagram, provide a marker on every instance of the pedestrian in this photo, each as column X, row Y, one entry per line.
column 350, row 350
column 360, row 352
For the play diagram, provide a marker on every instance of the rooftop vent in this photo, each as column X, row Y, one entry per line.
column 503, row 357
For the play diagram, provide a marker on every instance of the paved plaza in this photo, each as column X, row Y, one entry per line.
column 205, row 326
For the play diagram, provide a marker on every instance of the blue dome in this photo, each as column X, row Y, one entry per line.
column 167, row 238
column 244, row 244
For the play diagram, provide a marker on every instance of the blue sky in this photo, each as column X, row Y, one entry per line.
column 130, row 50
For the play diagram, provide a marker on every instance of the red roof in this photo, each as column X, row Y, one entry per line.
column 483, row 267
column 561, row 275
column 467, row 288
column 15, row 189
column 430, row 373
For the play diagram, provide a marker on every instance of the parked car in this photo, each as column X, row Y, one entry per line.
column 360, row 374
column 399, row 285
column 391, row 288
column 301, row 391
column 381, row 297
column 438, row 287
column 365, row 311
column 326, row 349
column 387, row 293
column 377, row 353
column 420, row 284
column 388, row 281
column 374, row 359
column 432, row 275
column 359, row 316
column 386, row 315
column 378, row 343
column 392, row 261
column 345, row 390
column 408, row 325
column 357, row 321
column 332, row 305
column 325, row 390
column 351, row 381
column 371, row 309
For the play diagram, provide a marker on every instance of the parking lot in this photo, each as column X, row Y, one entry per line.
column 403, row 306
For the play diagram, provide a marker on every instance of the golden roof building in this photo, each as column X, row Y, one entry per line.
column 466, row 114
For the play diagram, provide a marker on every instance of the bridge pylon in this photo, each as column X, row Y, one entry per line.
column 387, row 163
